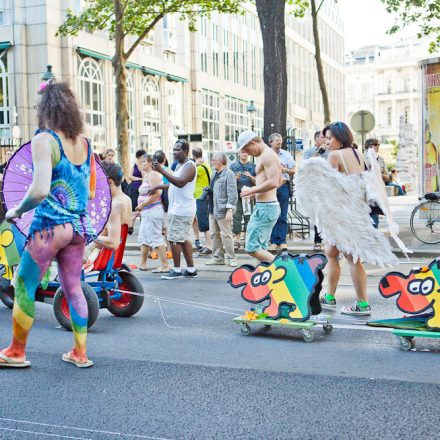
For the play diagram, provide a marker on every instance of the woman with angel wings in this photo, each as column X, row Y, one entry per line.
column 335, row 194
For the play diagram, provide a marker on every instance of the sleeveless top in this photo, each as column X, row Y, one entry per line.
column 143, row 194
column 181, row 200
column 136, row 183
column 68, row 196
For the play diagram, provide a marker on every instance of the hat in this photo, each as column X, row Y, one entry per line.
column 245, row 137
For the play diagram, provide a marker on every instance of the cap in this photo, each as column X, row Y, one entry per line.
column 245, row 137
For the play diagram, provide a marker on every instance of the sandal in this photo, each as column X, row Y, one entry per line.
column 67, row 357
column 159, row 270
column 317, row 247
column 8, row 362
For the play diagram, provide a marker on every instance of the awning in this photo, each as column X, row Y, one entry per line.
column 145, row 69
column 5, row 45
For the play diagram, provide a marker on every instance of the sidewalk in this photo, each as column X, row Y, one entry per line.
column 401, row 207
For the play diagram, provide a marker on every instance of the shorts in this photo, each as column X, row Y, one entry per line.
column 202, row 214
column 260, row 225
column 179, row 228
column 150, row 230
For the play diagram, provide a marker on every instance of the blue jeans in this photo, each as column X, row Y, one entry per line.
column 279, row 231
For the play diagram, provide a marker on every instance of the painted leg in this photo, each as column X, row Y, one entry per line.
column 69, row 267
column 359, row 278
column 334, row 269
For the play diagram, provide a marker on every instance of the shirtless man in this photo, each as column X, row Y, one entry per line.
column 267, row 208
column 120, row 215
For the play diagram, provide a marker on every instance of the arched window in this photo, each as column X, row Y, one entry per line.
column 4, row 96
column 91, row 89
column 151, row 114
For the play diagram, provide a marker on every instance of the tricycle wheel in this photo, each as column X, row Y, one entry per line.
column 406, row 343
column 328, row 328
column 245, row 329
column 6, row 292
column 61, row 306
column 308, row 335
column 122, row 303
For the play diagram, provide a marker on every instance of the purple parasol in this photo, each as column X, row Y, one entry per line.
column 17, row 178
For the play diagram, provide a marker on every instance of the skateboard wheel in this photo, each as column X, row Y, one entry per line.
column 406, row 343
column 245, row 329
column 328, row 328
column 308, row 335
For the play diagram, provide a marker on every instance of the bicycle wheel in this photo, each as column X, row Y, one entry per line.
column 425, row 222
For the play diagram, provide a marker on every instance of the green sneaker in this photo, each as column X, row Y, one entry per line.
column 356, row 310
column 328, row 304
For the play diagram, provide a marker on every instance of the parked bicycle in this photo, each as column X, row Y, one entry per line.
column 425, row 219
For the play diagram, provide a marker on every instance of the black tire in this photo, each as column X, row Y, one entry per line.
column 425, row 222
column 128, row 305
column 61, row 310
column 6, row 292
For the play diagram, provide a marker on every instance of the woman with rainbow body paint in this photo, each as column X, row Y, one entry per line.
column 64, row 178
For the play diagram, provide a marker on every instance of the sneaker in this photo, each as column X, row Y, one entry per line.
column 187, row 274
column 232, row 263
column 172, row 275
column 356, row 310
column 273, row 248
column 215, row 262
column 326, row 304
column 205, row 251
column 197, row 244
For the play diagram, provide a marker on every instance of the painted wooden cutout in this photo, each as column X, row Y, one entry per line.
column 416, row 292
column 291, row 284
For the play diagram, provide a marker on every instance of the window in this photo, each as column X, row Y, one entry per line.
column 236, row 118
column 2, row 18
column 169, row 33
column 235, row 57
column 226, row 54
column 389, row 117
column 210, row 119
column 406, row 115
column 245, row 64
column 174, row 110
column 203, row 45
column 91, row 89
column 5, row 111
column 151, row 127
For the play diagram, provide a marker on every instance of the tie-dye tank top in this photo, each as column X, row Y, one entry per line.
column 68, row 197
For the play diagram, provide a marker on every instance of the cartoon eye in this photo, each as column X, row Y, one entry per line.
column 265, row 277
column 414, row 286
column 255, row 281
column 427, row 286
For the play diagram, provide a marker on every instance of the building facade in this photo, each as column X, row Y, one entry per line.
column 386, row 80
column 178, row 82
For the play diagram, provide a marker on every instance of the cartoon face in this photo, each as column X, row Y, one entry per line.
column 6, row 239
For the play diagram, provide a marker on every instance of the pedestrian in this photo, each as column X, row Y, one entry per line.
column 374, row 143
column 181, row 209
column 318, row 150
column 110, row 155
column 245, row 174
column 63, row 162
column 394, row 181
column 222, row 201
column 8, row 155
column 136, row 178
column 201, row 221
column 284, row 192
column 333, row 193
column 267, row 207
column 151, row 211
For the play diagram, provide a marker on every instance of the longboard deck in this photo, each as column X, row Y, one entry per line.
column 416, row 333
column 408, row 323
column 277, row 323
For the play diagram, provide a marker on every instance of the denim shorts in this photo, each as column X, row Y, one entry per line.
column 260, row 225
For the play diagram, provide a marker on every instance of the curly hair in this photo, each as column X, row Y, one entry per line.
column 58, row 110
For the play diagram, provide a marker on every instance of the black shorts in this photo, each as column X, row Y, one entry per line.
column 202, row 214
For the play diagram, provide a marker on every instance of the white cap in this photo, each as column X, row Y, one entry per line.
column 245, row 137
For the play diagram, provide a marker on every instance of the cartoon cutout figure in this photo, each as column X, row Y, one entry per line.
column 291, row 280
column 11, row 245
column 417, row 292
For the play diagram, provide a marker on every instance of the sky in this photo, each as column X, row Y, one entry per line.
column 366, row 23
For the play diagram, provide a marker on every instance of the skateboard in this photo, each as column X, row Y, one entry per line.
column 306, row 327
column 406, row 337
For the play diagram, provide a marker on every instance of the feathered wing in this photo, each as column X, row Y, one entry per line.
column 376, row 193
column 336, row 203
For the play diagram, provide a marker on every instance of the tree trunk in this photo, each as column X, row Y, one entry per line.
column 271, row 17
column 319, row 67
column 122, row 115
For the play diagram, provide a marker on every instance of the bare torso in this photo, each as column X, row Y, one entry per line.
column 267, row 158
column 123, row 204
column 352, row 164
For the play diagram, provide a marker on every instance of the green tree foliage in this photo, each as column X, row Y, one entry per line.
column 136, row 18
column 424, row 13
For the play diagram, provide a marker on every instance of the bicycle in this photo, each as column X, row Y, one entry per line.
column 425, row 219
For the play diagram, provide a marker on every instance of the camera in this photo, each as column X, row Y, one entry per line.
column 206, row 193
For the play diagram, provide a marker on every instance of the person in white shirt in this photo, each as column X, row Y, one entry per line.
column 279, row 231
column 181, row 209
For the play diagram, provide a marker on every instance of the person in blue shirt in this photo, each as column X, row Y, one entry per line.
column 245, row 174
column 279, row 231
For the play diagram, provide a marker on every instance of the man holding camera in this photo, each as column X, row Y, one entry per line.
column 245, row 174
column 223, row 196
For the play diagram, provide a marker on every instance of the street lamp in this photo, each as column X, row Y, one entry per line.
column 251, row 109
column 48, row 74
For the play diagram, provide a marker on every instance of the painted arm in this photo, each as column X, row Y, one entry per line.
column 42, row 155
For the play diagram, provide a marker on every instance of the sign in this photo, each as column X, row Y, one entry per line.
column 431, row 125
column 363, row 122
column 298, row 144
column 194, row 137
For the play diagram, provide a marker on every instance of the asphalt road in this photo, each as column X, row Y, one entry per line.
column 180, row 369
